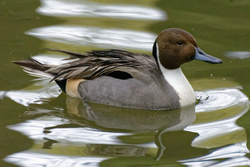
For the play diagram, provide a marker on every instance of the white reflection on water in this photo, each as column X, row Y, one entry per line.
column 51, row 59
column 235, row 152
column 34, row 130
column 238, row 54
column 62, row 8
column 65, row 137
column 31, row 159
column 37, row 93
column 103, row 38
column 213, row 130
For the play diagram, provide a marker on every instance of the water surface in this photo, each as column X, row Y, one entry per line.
column 43, row 127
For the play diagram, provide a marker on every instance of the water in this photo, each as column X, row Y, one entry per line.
column 41, row 126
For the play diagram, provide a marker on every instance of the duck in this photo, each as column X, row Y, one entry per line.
column 126, row 79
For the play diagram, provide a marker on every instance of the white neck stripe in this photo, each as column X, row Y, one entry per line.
column 178, row 81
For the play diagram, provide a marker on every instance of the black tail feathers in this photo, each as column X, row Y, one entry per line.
column 32, row 64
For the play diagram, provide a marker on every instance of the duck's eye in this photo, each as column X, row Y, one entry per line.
column 180, row 43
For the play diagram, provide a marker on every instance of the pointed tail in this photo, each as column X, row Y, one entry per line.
column 35, row 68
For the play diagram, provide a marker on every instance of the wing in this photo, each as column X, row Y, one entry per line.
column 98, row 63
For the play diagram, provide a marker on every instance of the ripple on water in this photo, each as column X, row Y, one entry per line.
column 219, row 98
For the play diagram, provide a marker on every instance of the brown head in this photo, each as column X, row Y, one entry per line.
column 174, row 46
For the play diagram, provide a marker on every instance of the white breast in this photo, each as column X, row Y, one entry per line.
column 181, row 85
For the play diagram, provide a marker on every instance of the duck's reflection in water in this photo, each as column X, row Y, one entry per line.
column 134, row 120
column 138, row 127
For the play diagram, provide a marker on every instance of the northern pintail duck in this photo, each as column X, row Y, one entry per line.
column 131, row 80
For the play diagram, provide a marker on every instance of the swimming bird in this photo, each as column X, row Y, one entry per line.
column 130, row 80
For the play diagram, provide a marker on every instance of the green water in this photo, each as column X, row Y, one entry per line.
column 55, row 130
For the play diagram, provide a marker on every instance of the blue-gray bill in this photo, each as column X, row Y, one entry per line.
column 201, row 55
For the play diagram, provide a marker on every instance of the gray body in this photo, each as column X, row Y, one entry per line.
column 130, row 93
